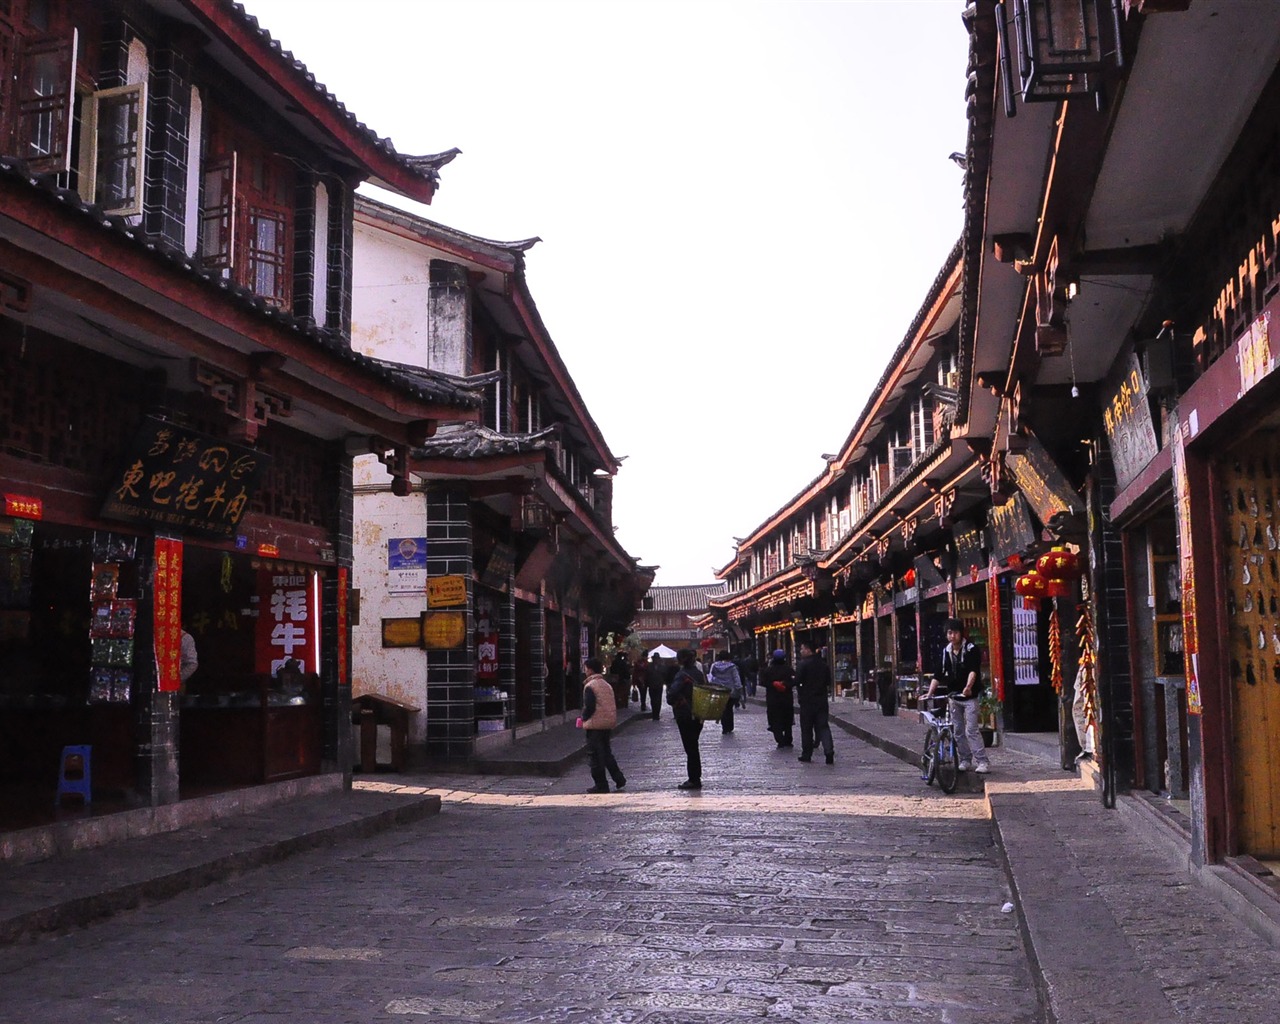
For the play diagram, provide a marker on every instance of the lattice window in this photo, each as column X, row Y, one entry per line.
column 299, row 485
column 247, row 212
column 64, row 406
column 44, row 94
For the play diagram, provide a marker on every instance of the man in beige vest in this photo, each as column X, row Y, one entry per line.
column 599, row 716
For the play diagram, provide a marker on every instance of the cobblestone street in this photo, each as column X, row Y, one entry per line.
column 786, row 891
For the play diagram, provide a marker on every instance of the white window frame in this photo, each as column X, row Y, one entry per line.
column 89, row 147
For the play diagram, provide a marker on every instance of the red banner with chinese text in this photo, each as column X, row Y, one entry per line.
column 168, row 614
column 995, row 637
column 343, row 678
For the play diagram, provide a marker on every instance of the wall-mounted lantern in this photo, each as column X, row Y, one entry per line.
column 1062, row 47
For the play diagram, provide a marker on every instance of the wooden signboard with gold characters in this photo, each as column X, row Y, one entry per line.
column 433, row 631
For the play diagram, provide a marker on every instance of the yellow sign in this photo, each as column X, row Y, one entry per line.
column 443, row 630
column 402, row 632
column 446, row 591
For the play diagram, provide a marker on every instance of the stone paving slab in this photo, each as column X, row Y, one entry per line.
column 78, row 887
column 1116, row 926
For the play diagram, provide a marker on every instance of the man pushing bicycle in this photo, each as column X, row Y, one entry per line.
column 960, row 678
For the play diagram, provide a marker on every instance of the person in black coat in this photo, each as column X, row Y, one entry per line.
column 813, row 685
column 680, row 697
column 778, row 681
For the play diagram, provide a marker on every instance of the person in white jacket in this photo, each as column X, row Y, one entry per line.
column 724, row 672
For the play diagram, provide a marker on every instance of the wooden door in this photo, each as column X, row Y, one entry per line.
column 1251, row 500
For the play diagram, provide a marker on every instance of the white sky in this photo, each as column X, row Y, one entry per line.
column 742, row 205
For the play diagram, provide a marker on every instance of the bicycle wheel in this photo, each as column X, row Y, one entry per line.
column 948, row 762
column 929, row 759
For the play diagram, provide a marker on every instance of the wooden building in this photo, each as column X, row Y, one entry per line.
column 179, row 400
column 512, row 515
column 1122, row 226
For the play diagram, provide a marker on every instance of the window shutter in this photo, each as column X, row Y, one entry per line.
column 118, row 140
column 218, row 214
column 46, row 90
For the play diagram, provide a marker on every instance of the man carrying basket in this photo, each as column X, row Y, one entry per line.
column 680, row 697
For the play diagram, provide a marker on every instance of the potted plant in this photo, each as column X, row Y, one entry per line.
column 989, row 717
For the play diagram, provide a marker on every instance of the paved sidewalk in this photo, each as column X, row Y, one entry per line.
column 1116, row 923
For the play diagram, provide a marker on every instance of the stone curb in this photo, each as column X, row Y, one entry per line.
column 248, row 842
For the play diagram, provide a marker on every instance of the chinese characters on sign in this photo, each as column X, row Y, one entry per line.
column 168, row 613
column 184, row 480
column 288, row 622
column 1126, row 414
column 343, row 679
column 406, row 565
column 1044, row 485
column 446, row 591
column 21, row 507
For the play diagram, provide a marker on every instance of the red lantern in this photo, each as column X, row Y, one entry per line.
column 1058, row 564
column 909, row 577
column 1059, row 588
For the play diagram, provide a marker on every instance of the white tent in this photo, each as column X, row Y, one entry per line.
column 662, row 651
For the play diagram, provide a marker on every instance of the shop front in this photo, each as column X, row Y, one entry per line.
column 99, row 585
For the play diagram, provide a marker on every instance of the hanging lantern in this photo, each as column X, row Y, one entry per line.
column 1059, row 588
column 909, row 578
column 1032, row 587
column 1015, row 561
column 1064, row 46
column 1058, row 563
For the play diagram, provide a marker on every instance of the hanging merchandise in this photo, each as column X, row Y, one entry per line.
column 1055, row 652
column 1086, row 678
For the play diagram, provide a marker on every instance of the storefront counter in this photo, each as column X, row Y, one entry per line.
column 262, row 732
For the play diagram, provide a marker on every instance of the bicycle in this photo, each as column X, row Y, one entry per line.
column 941, row 758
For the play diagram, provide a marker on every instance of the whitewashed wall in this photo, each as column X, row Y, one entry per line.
column 391, row 278
column 379, row 516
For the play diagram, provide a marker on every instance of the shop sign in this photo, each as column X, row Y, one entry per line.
column 402, row 632
column 500, row 567
column 487, row 656
column 1012, row 531
column 269, row 550
column 406, row 565
column 22, row 507
column 1126, row 414
column 288, row 622
column 446, row 591
column 969, row 540
column 1045, row 486
column 179, row 479
column 168, row 614
column 927, row 574
column 442, row 631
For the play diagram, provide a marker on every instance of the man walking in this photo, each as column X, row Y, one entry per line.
column 655, row 678
column 959, row 677
column 599, row 716
column 813, row 685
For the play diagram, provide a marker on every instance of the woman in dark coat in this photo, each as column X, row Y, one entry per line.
column 778, row 681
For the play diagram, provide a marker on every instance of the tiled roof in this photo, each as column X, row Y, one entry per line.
column 473, row 441
column 425, row 166
column 684, row 599
column 423, row 385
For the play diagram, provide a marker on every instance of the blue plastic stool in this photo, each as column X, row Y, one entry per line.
column 74, row 776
